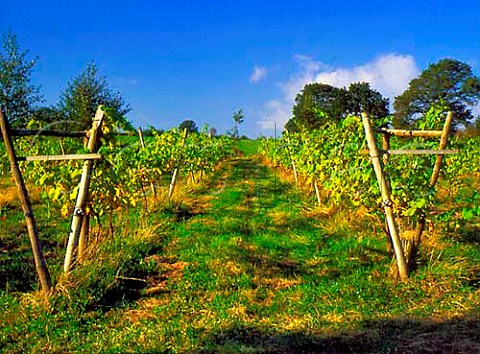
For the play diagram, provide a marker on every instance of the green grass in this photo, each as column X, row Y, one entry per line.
column 245, row 266
column 247, row 146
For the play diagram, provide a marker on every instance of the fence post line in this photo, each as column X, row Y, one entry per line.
column 40, row 264
column 79, row 212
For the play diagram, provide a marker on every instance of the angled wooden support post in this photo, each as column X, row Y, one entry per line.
column 40, row 264
column 385, row 192
column 82, row 197
column 413, row 249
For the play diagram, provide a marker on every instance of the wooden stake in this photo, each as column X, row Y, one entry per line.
column 317, row 193
column 140, row 135
column 142, row 142
column 294, row 167
column 173, row 182
column 40, row 264
column 79, row 212
column 83, row 237
column 386, row 147
column 442, row 146
column 385, row 192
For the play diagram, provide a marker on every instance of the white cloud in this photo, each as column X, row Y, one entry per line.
column 275, row 115
column 278, row 112
column 259, row 73
column 389, row 74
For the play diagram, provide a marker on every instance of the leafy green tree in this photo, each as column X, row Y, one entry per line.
column 48, row 115
column 190, row 125
column 85, row 93
column 448, row 82
column 334, row 104
column 314, row 97
column 361, row 98
column 18, row 96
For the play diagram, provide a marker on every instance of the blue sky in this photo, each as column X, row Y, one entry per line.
column 204, row 60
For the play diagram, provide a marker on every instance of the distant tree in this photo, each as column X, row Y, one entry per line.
column 190, row 125
column 314, row 97
column 85, row 93
column 18, row 96
column 238, row 118
column 318, row 102
column 48, row 116
column 448, row 82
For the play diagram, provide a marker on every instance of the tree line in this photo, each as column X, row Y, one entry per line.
column 23, row 103
column 448, row 84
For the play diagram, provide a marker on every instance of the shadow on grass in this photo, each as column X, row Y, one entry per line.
column 400, row 336
column 280, row 264
column 470, row 234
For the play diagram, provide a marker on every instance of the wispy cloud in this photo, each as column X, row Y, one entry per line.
column 258, row 74
column 389, row 74
column 125, row 81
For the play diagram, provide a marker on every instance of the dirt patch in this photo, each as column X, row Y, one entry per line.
column 276, row 283
column 9, row 196
column 169, row 270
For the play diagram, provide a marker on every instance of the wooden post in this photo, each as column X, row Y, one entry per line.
column 142, row 142
column 442, row 146
column 317, row 193
column 140, row 135
column 385, row 192
column 40, row 264
column 294, row 167
column 79, row 212
column 83, row 237
column 173, row 182
column 385, row 147
column 411, row 133
column 413, row 249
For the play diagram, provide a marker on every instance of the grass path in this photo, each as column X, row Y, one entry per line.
column 253, row 271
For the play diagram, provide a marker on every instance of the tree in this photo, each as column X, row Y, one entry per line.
column 238, row 118
column 319, row 102
column 85, row 93
column 17, row 95
column 317, row 96
column 48, row 115
column 190, row 125
column 361, row 98
column 448, row 82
